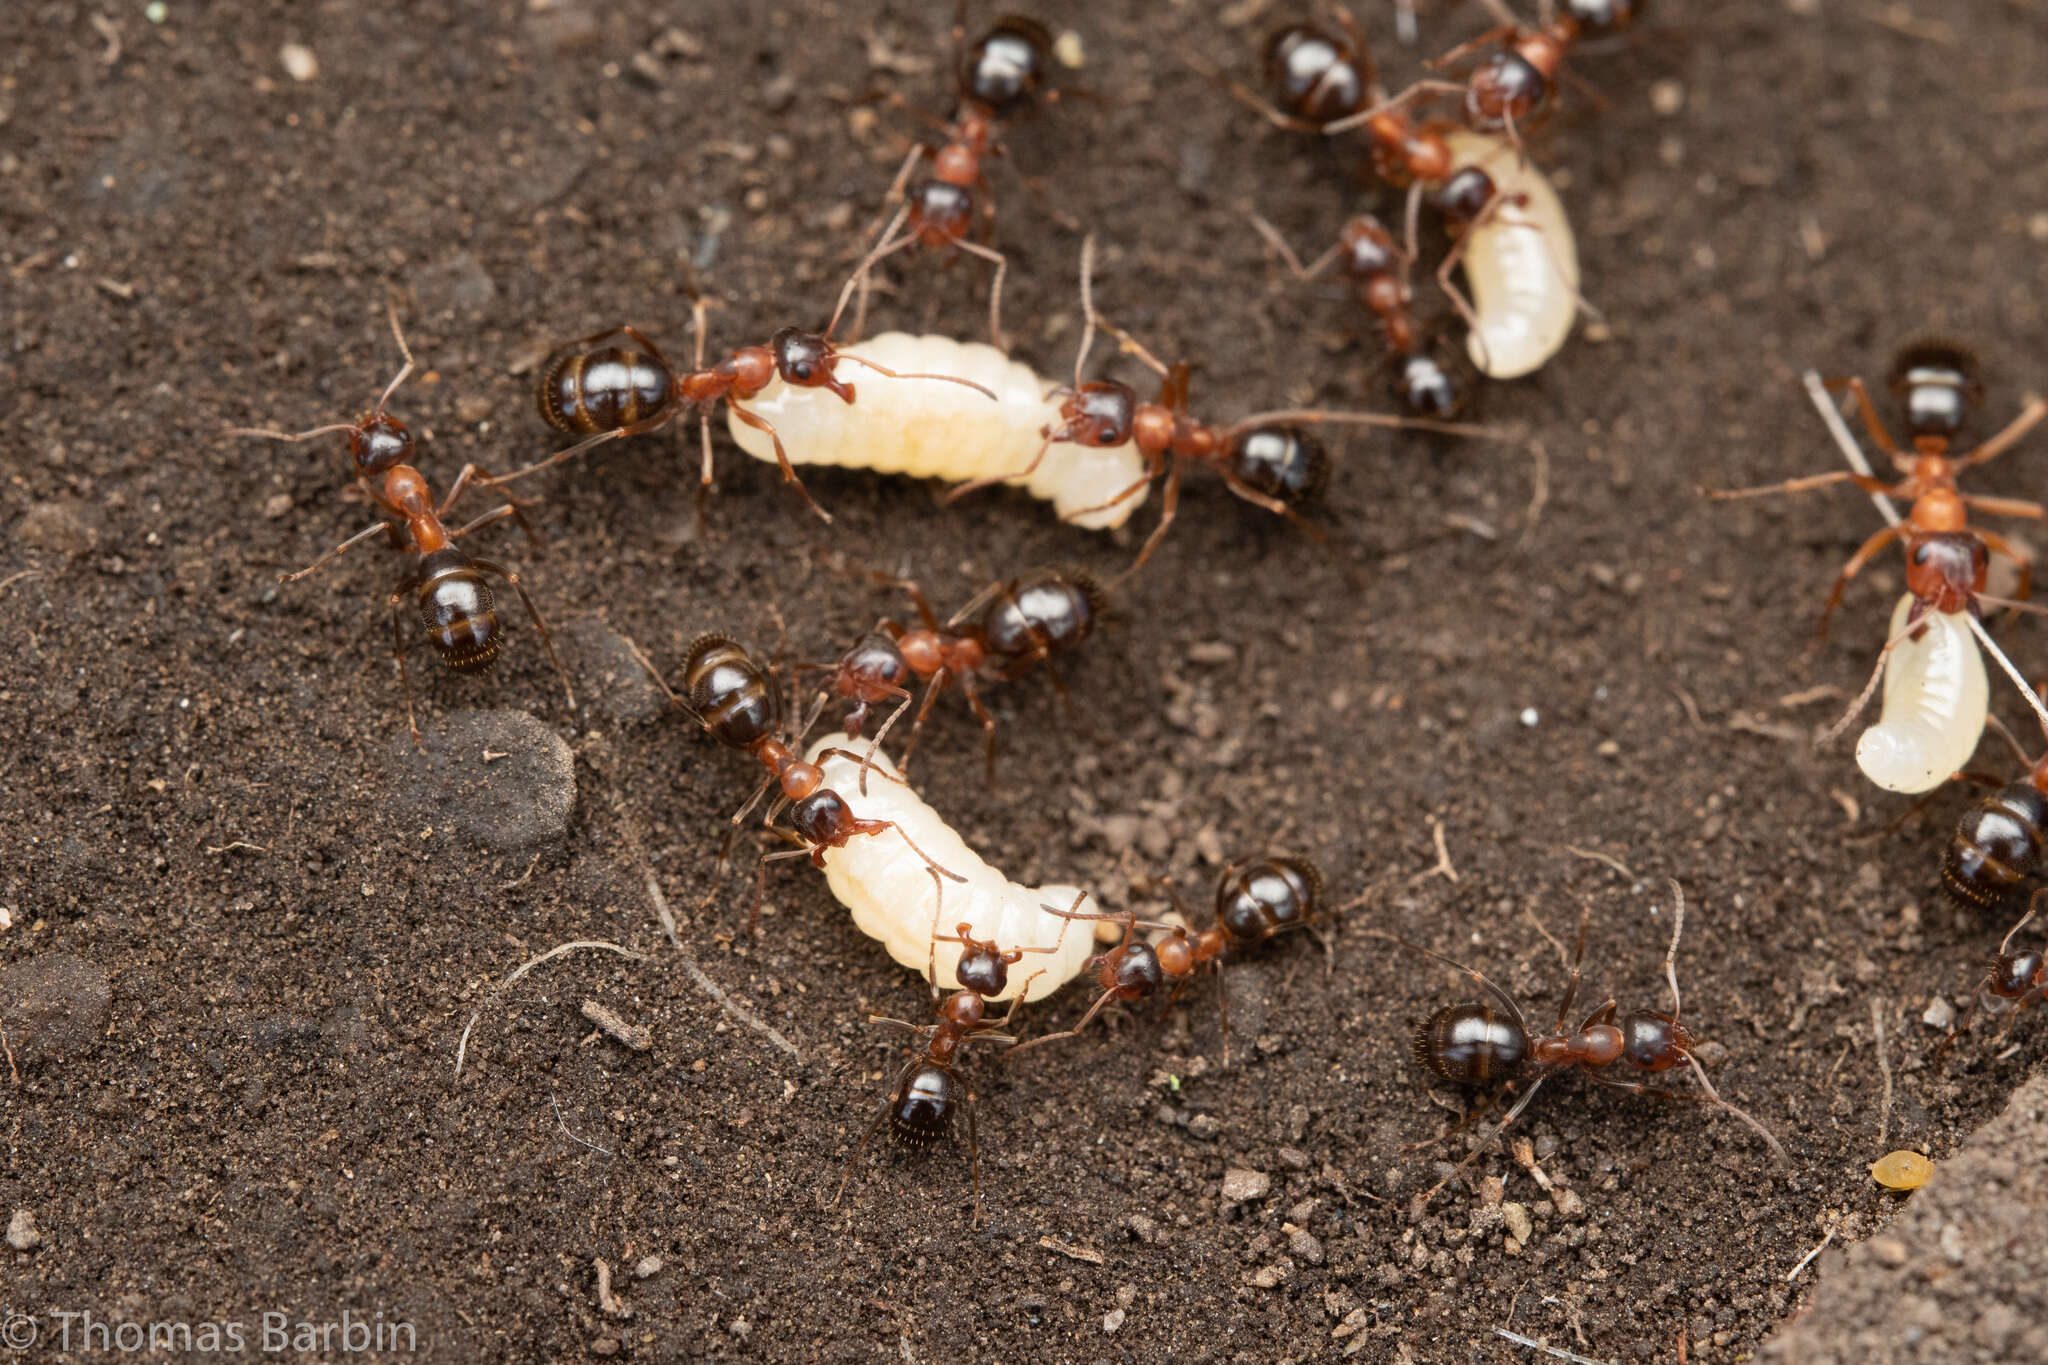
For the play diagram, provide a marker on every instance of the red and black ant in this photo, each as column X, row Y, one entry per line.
column 920, row 1107
column 998, row 76
column 1262, row 459
column 1999, row 841
column 739, row 704
column 1255, row 900
column 456, row 606
column 615, row 384
column 1945, row 556
column 2019, row 976
column 1004, row 630
column 1484, row 1042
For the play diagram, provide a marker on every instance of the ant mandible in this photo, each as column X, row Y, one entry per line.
column 1937, row 383
column 1000, row 634
column 1255, row 901
column 1002, row 73
column 456, row 606
column 1475, row 1043
column 928, row 1090
column 2019, row 976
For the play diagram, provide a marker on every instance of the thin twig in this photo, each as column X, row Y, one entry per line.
column 1595, row 855
column 1539, row 492
column 705, row 984
column 14, row 578
column 462, row 1047
column 1443, row 866
column 662, row 912
column 559, row 1123
column 13, row 1072
column 1884, row 1066
column 1557, row 1352
column 239, row 843
column 1807, row 1259
column 1088, row 1254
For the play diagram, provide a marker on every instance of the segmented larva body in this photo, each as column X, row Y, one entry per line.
column 1521, row 262
column 947, row 431
column 893, row 896
column 1935, row 701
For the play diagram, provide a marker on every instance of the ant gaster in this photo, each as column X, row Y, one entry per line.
column 456, row 607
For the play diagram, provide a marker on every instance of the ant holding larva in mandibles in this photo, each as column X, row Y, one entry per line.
column 1002, row 632
column 455, row 602
column 2017, row 976
column 616, row 383
column 1255, row 900
column 1262, row 459
column 1936, row 696
column 1483, row 1042
column 997, row 77
column 920, row 1107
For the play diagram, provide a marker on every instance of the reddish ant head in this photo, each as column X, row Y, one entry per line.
column 1434, row 382
column 874, row 669
column 941, row 213
column 921, row 1110
column 822, row 819
column 1006, row 67
column 1315, row 76
column 1506, row 88
column 805, row 360
column 379, row 443
column 1099, row 413
column 1471, row 1044
column 2015, row 974
column 1654, row 1042
column 458, row 611
column 1368, row 249
column 1463, row 195
column 1267, row 897
column 1282, row 463
column 982, row 969
column 1132, row 972
column 1945, row 570
column 1937, row 381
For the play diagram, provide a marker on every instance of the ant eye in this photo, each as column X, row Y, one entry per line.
column 801, row 370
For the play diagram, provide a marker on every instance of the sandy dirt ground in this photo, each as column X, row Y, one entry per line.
column 244, row 925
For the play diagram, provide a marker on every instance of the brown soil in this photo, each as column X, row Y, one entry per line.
column 211, row 813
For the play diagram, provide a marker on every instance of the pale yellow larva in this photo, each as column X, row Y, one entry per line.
column 1936, row 696
column 931, row 430
column 1520, row 262
column 893, row 897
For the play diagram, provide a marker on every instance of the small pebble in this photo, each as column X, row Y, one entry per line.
column 1529, row 717
column 1270, row 1276
column 1889, row 1250
column 1667, row 97
column 1303, row 1244
column 1240, row 1185
column 1940, row 1014
column 22, row 1232
column 1207, row 1127
column 299, row 62
column 647, row 1267
column 1293, row 1158
column 1113, row 1319
column 1518, row 1221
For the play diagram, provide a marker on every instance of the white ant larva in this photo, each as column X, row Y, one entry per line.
column 1520, row 259
column 1936, row 697
column 945, row 431
column 893, row 897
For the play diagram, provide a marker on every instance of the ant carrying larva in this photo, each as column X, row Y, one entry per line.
column 1476, row 1044
column 454, row 599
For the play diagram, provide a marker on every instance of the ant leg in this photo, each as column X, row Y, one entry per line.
column 1130, row 491
column 853, row 1162
column 988, row 722
column 961, row 490
column 1807, row 483
column 995, row 289
column 1074, row 1032
column 877, row 826
column 1302, row 274
column 398, row 653
column 1871, row 421
column 1421, row 90
column 632, row 429
column 910, row 588
column 931, row 694
column 887, row 244
column 1864, row 554
column 547, row 640
column 335, row 553
column 484, row 478
column 1456, row 295
column 2029, row 417
column 633, row 647
column 1509, row 27
column 1243, row 490
column 478, row 523
column 2005, row 507
column 1169, row 504
column 1999, row 545
column 1422, row 1200
column 760, row 423
column 1571, row 989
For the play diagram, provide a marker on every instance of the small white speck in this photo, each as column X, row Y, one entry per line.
column 299, row 62
column 156, row 11
column 1529, row 717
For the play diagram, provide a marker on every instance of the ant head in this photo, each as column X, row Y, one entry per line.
column 1316, row 76
column 1945, row 570
column 1654, row 1042
column 1267, row 896
column 1134, row 971
column 1602, row 18
column 2015, row 974
column 1507, row 88
column 921, row 1111
column 821, row 818
column 1282, row 463
column 805, row 361
column 379, row 443
column 1937, row 381
column 1463, row 195
column 1099, row 413
column 941, row 211
column 1433, row 382
column 1368, row 248
column 1006, row 67
column 873, row 668
column 982, row 970
column 1471, row 1044
column 458, row 611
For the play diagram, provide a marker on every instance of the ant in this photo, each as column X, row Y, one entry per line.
column 1475, row 1043
column 1937, row 384
column 456, row 606
column 1001, row 74
column 2020, row 976
column 919, row 1110
column 1999, row 841
column 617, row 384
column 1262, row 459
column 1005, row 629
column 1255, row 901
column 739, row 704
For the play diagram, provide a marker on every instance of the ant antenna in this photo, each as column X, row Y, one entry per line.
column 1991, row 648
